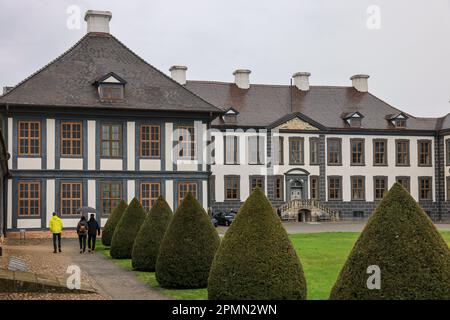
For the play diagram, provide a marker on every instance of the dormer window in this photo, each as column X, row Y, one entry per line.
column 353, row 120
column 398, row 120
column 230, row 116
column 110, row 88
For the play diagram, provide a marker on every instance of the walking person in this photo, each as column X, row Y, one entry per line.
column 56, row 227
column 82, row 231
column 94, row 230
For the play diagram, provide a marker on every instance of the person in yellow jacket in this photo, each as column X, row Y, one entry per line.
column 56, row 227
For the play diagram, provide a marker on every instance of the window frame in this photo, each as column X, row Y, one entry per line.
column 278, row 189
column 71, row 140
column 448, row 188
column 386, row 187
column 447, row 151
column 407, row 152
column 339, row 152
column 28, row 138
column 259, row 153
column 256, row 177
column 363, row 151
column 404, row 178
column 110, row 199
column 71, row 199
column 28, row 199
column 189, row 185
column 236, row 146
column 314, row 141
column 420, row 188
column 190, row 145
column 314, row 187
column 149, row 141
column 111, row 141
column 119, row 87
column 362, row 188
column 150, row 199
column 386, row 153
column 338, row 178
column 279, row 149
column 428, row 155
column 227, row 179
column 301, row 151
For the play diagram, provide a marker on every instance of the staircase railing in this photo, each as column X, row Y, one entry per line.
column 293, row 206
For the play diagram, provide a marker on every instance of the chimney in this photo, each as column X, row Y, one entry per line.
column 241, row 78
column 97, row 21
column 178, row 73
column 301, row 80
column 6, row 90
column 359, row 82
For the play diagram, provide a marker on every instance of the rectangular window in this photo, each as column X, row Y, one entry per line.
column 110, row 196
column 279, row 150
column 334, row 151
column 380, row 154
column 256, row 182
column 314, row 151
column 184, row 188
column 357, row 152
column 358, row 188
column 448, row 188
column 334, row 188
column 296, row 151
column 111, row 140
column 150, row 191
column 71, row 197
column 448, row 151
column 255, row 149
column 29, row 138
column 231, row 146
column 278, row 188
column 186, row 142
column 231, row 187
column 425, row 188
column 71, row 142
column 402, row 152
column 212, row 150
column 150, row 141
column 212, row 188
column 405, row 182
column 29, row 199
column 380, row 187
column 424, row 153
column 314, row 180
column 111, row 92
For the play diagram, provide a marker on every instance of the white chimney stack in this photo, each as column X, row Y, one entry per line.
column 242, row 78
column 178, row 73
column 301, row 80
column 97, row 21
column 359, row 82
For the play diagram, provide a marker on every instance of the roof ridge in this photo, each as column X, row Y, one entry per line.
column 265, row 84
column 46, row 66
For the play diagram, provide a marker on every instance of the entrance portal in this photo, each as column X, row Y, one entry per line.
column 304, row 215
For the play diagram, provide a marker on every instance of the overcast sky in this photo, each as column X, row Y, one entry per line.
column 403, row 45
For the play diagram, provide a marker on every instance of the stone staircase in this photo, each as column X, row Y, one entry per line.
column 317, row 211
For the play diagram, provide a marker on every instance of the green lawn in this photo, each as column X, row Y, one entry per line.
column 322, row 256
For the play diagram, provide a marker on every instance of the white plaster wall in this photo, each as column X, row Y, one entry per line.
column 130, row 190
column 205, row 194
column 169, row 193
column 369, row 171
column 91, row 144
column 187, row 165
column 9, row 208
column 131, row 139
column 70, row 223
column 169, row 143
column 51, row 144
column 10, row 141
column 29, row 163
column 149, row 164
column 204, row 144
column 50, row 201
column 111, row 164
column 71, row 163
column 28, row 223
column 91, row 194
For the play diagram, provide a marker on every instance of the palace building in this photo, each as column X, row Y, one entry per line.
column 99, row 124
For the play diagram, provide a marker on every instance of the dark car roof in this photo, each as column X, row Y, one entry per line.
column 69, row 79
column 261, row 105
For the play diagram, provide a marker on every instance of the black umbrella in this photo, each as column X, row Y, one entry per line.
column 85, row 210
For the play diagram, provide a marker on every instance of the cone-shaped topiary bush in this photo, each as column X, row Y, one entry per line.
column 256, row 260
column 188, row 247
column 413, row 258
column 111, row 223
column 126, row 230
column 148, row 240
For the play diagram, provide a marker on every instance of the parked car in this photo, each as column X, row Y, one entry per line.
column 225, row 219
column 214, row 222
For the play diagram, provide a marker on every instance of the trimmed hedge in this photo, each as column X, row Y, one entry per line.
column 111, row 223
column 188, row 247
column 256, row 260
column 126, row 230
column 147, row 242
column 401, row 240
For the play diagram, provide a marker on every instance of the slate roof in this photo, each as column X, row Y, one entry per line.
column 68, row 81
column 262, row 105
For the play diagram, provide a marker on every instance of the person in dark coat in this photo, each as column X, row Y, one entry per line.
column 82, row 231
column 94, row 230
